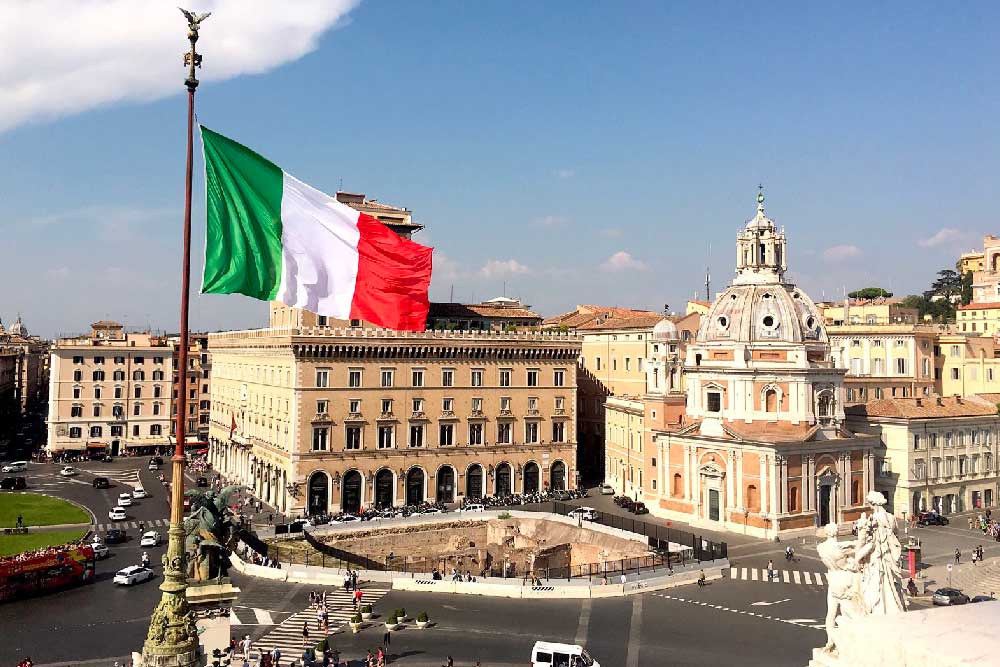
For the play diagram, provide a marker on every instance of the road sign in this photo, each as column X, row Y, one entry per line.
column 950, row 566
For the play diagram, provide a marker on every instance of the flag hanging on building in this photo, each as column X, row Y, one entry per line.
column 272, row 237
column 232, row 429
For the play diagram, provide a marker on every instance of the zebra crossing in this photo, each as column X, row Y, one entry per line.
column 125, row 525
column 129, row 477
column 287, row 636
column 778, row 576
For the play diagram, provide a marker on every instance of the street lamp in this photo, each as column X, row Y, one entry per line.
column 746, row 513
column 906, row 526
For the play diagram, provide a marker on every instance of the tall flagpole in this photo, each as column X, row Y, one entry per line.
column 173, row 638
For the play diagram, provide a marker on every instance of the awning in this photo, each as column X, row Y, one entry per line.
column 96, row 445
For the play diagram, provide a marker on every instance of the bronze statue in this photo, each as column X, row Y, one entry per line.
column 210, row 533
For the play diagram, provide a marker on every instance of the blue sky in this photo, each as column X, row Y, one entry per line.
column 578, row 152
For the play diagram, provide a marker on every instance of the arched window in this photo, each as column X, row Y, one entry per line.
column 793, row 499
column 770, row 400
column 753, row 498
column 678, row 486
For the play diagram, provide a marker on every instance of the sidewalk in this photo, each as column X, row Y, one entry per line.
column 980, row 579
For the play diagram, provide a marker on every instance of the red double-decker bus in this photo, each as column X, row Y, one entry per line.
column 45, row 570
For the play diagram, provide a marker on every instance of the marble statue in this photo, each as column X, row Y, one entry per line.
column 863, row 576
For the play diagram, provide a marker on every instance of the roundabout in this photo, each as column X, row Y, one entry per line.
column 33, row 521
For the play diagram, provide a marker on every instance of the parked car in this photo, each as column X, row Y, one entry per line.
column 201, row 481
column 932, row 519
column 561, row 494
column 101, row 551
column 138, row 492
column 117, row 514
column 949, row 596
column 68, row 471
column 133, row 574
column 15, row 466
column 114, row 536
column 124, row 499
column 607, row 490
column 585, row 513
column 150, row 538
column 638, row 508
column 475, row 507
column 982, row 598
column 13, row 483
column 102, row 483
column 431, row 510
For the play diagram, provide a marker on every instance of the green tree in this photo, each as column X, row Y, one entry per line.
column 966, row 288
column 870, row 293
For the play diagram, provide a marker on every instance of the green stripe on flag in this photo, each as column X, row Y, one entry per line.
column 243, row 236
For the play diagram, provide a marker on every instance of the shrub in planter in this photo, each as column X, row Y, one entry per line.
column 366, row 609
column 422, row 617
column 356, row 618
column 321, row 646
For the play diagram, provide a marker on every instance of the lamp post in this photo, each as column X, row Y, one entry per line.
column 172, row 638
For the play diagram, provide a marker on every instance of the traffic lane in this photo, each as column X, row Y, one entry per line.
column 607, row 631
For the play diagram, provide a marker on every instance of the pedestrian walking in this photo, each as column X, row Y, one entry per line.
column 247, row 646
column 354, row 580
column 305, row 632
column 276, row 657
column 770, row 570
column 357, row 597
column 386, row 640
column 347, row 580
column 958, row 556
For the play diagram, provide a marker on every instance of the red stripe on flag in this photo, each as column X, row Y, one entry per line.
column 393, row 277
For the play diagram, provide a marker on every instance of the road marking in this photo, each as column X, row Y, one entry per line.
column 800, row 622
column 808, row 578
column 753, row 574
column 632, row 657
column 797, row 577
column 763, row 603
column 233, row 618
column 784, row 575
column 744, row 573
column 263, row 616
column 581, row 629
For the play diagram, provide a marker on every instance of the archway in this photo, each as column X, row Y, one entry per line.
column 531, row 477
column 557, row 475
column 503, row 479
column 415, row 486
column 319, row 493
column 384, row 488
column 351, row 500
column 446, row 484
column 474, row 481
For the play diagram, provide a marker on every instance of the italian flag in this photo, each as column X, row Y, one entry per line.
column 272, row 237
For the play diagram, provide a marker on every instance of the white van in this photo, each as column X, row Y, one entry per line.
column 550, row 654
column 16, row 466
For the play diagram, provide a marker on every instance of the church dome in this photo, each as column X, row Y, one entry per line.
column 665, row 329
column 762, row 313
column 18, row 329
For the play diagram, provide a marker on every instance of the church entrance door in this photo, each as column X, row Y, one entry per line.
column 713, row 504
column 824, row 504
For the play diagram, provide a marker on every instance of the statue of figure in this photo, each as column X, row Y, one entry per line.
column 843, row 595
column 881, row 582
column 210, row 533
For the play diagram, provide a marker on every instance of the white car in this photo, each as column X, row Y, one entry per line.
column 117, row 514
column 133, row 574
column 431, row 510
column 585, row 513
column 607, row 490
column 15, row 466
column 101, row 551
column 475, row 507
column 150, row 538
column 347, row 518
column 69, row 471
column 124, row 499
column 138, row 492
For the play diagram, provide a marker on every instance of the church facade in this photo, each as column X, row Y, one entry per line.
column 762, row 446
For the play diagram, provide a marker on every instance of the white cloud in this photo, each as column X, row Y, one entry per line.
column 611, row 232
column 64, row 57
column 60, row 273
column 947, row 235
column 445, row 268
column 553, row 221
column 565, row 173
column 496, row 268
column 839, row 253
column 623, row 261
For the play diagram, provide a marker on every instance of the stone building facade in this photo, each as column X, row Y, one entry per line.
column 110, row 391
column 31, row 365
column 761, row 447
column 321, row 419
column 199, row 382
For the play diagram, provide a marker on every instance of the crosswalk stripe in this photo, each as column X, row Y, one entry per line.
column 797, row 577
column 808, row 579
column 732, row 573
column 233, row 618
column 744, row 576
column 753, row 574
column 784, row 575
column 263, row 616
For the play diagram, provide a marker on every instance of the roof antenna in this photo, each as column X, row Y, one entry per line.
column 340, row 188
column 451, row 299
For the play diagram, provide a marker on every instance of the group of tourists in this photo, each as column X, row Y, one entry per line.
column 985, row 523
column 41, row 552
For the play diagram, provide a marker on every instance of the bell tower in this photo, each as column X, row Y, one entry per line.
column 760, row 250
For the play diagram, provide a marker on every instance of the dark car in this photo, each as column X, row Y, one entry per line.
column 932, row 519
column 949, row 596
column 114, row 536
column 982, row 598
column 102, row 483
column 638, row 508
column 201, row 481
column 13, row 483
column 158, row 460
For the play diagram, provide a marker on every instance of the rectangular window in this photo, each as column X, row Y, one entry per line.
column 901, row 366
column 477, row 405
column 119, row 360
column 614, row 364
column 505, row 403
column 135, row 430
column 322, row 407
column 475, row 434
column 352, row 437
column 77, row 360
column 447, row 404
column 850, row 393
column 955, row 352
column 354, row 406
column 96, row 431
column 531, row 432
column 558, row 432
column 505, row 378
column 323, row 378
column 447, row 378
column 75, row 432
column 418, row 378
column 159, row 360
column 598, row 361
column 714, row 401
column 385, row 437
column 532, row 403
column 98, row 360
column 418, row 405
column 321, row 320
column 321, row 435
column 416, row 435
column 77, row 376
column 76, row 392
column 533, row 378
column 387, row 406
column 116, row 431
column 446, row 435
column 560, row 403
column 136, row 409
column 140, row 360
column 878, row 392
column 354, row 377
column 503, row 433
column 559, row 377
column 628, row 363
column 157, row 391
column 76, row 411
column 477, row 378
column 954, row 374
column 156, row 409
column 386, row 377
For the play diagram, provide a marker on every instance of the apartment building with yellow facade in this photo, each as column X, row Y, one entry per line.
column 110, row 391
column 329, row 418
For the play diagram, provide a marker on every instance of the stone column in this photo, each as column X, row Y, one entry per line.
column 809, row 484
column 765, row 493
column 784, row 483
column 687, row 472
column 866, row 463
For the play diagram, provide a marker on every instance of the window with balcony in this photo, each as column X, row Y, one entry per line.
column 157, row 376
column 447, row 378
column 352, row 437
column 446, row 435
column 475, row 434
column 119, row 376
column 386, row 377
column 531, row 432
column 321, row 437
column 96, row 431
column 116, row 431
column 416, row 435
column 386, row 437
column 138, row 376
column 323, row 378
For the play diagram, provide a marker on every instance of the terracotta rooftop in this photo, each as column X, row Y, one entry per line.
column 774, row 432
column 925, row 407
column 979, row 306
column 634, row 321
column 473, row 310
column 356, row 200
column 586, row 314
column 103, row 324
